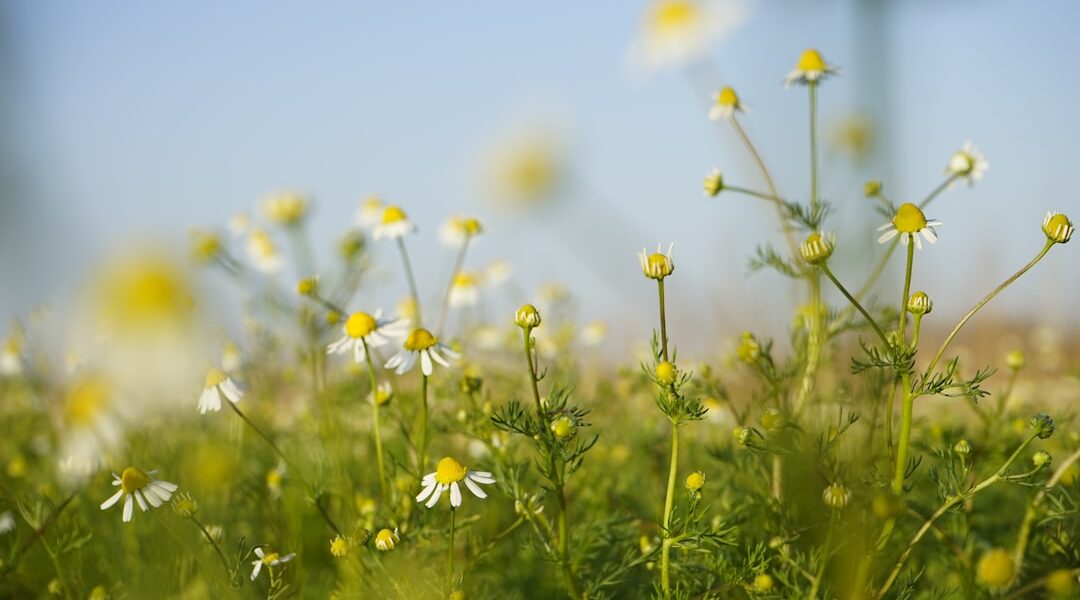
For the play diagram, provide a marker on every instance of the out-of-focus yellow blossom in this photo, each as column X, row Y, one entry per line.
column 675, row 33
column 287, row 208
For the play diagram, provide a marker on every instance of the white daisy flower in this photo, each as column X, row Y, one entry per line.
column 447, row 475
column 677, row 32
column 270, row 559
column 458, row 230
column 393, row 224
column 909, row 222
column 967, row 163
column 263, row 252
column 286, row 208
column 370, row 331
column 594, row 333
column 7, row 522
column 811, row 68
column 464, row 290
column 497, row 273
column 218, row 386
column 657, row 265
column 231, row 359
column 137, row 486
column 420, row 343
column 370, row 213
column 91, row 427
column 725, row 104
column 239, row 224
column 385, row 540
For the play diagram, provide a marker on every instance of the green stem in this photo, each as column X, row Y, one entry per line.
column 949, row 503
column 944, row 185
column 217, row 549
column 981, row 303
column 814, row 199
column 663, row 320
column 383, row 487
column 824, row 557
column 901, row 324
column 458, row 263
column 877, row 328
column 411, row 279
column 422, row 425
column 814, row 342
column 785, row 224
column 450, row 553
column 669, row 501
column 1032, row 509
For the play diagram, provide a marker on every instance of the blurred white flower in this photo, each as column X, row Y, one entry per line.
column 263, row 252
column 464, row 290
column 7, row 522
column 594, row 333
column 675, row 33
column 967, row 163
column 459, row 230
column 497, row 273
column 393, row 224
column 219, row 386
column 370, row 213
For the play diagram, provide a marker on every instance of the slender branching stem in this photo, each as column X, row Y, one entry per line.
column 907, row 407
column 377, row 430
column 877, row 328
column 785, row 223
column 669, row 502
column 413, row 293
column 1033, row 508
column 458, row 264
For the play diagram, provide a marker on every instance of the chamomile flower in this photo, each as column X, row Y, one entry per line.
column 218, row 386
column 811, row 68
column 386, row 539
column 464, row 289
column 371, row 212
column 372, row 331
column 7, row 522
column 239, row 224
column 382, row 394
column 714, row 183
column 725, row 104
column 459, row 230
column 420, row 343
column 1057, row 227
column 593, row 333
column 270, row 559
column 11, row 361
column 657, row 265
column 91, row 425
column 286, row 208
column 677, row 32
column 448, row 474
column 138, row 486
column 497, row 273
column 263, row 252
column 393, row 224
column 967, row 163
column 909, row 223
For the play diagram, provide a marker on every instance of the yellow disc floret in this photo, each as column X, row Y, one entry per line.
column 359, row 325
column 695, row 481
column 86, row 401
column 666, row 372
column 339, row 547
column 727, row 97
column 449, row 471
column 673, row 15
column 270, row 558
column 996, row 568
column 393, row 214
column 214, row 377
column 132, row 480
column 385, row 540
column 811, row 61
column 420, row 339
column 1058, row 228
column 909, row 218
column 817, row 248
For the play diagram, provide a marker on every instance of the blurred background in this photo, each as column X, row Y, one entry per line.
column 576, row 131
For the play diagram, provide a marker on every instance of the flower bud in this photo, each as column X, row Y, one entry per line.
column 749, row 349
column 836, row 496
column 1041, row 459
column 308, row 286
column 872, row 189
column 656, row 265
column 527, row 317
column 339, row 547
column 1043, row 424
column 919, row 304
column 695, row 481
column 385, row 540
column 963, row 448
column 763, row 584
column 1057, row 227
column 1015, row 360
column 714, row 183
column 996, row 568
column 818, row 247
column 742, row 435
column 666, row 373
column 563, row 427
column 470, row 384
column 771, row 419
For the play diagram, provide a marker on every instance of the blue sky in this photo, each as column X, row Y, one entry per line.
column 155, row 117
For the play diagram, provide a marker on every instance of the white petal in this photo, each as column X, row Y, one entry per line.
column 358, row 352
column 435, row 497
column 286, row 558
column 394, row 361
column 231, row 391
column 918, row 241
column 129, row 507
column 475, row 489
column 424, row 493
column 258, row 567
column 438, row 358
column 429, row 478
column 886, row 226
column 407, row 363
column 112, row 500
column 425, row 362
column 888, row 235
column 259, row 552
column 455, row 495
column 170, row 487
column 449, row 352
column 338, row 346
column 481, row 477
column 930, row 235
column 142, row 500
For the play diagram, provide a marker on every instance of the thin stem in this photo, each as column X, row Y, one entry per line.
column 217, row 549
column 422, row 425
column 815, row 201
column 824, row 557
column 311, row 491
column 868, row 285
column 450, row 552
column 38, row 534
column 411, row 279
column 907, row 407
column 981, row 303
column 779, row 202
column 784, row 223
column 669, row 500
column 383, row 487
column 877, row 328
column 663, row 320
column 458, row 263
column 944, row 185
column 901, row 324
column 1032, row 509
column 951, row 502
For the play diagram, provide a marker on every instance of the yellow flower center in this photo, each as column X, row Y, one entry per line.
column 262, row 245
column 339, row 547
column 449, row 471
column 695, row 481
column 85, row 401
column 133, row 479
column 1056, row 225
column 909, row 218
column 673, row 15
column 420, row 339
column 665, row 372
column 811, row 60
column 393, row 214
column 359, row 325
column 214, row 377
column 384, row 539
column 996, row 568
column 465, row 280
column 270, row 557
column 727, row 97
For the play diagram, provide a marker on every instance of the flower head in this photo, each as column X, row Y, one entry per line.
column 204, row 246
column 1015, row 360
column 666, row 372
column 218, row 386
column 695, row 481
column 383, row 393
column 818, row 247
column 363, row 331
column 919, row 304
column 459, row 230
column 448, row 474
column 676, row 32
column 657, row 265
column 563, row 427
column 270, row 559
column 371, row 212
column 714, row 183
column 286, row 208
column 138, row 486
column 527, row 317
column 1057, row 227
column 967, row 163
column 996, row 568
column 836, row 496
column 184, row 505
column 393, row 224
column 464, row 289
column 386, row 539
column 421, row 343
column 1040, row 459
column 725, row 104
column 1043, row 424
column 872, row 189
column 909, row 222
column 811, row 68
column 263, row 252
column 339, row 547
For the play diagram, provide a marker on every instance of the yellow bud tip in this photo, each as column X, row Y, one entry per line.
column 359, row 325
column 385, row 540
column 817, row 248
column 449, row 470
column 727, row 98
column 1058, row 228
column 666, row 373
column 527, row 317
column 909, row 218
column 420, row 339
